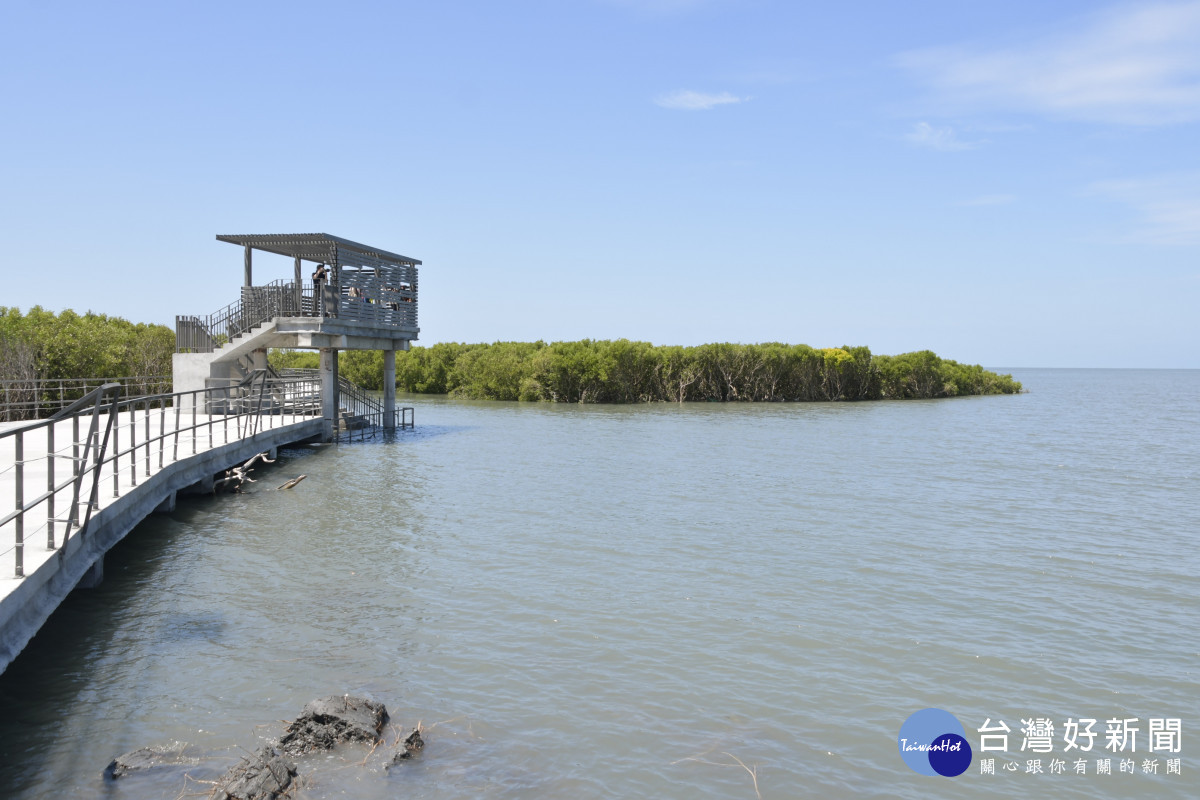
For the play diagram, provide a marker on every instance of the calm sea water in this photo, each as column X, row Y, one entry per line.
column 660, row 601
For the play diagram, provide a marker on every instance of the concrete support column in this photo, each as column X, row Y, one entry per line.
column 203, row 486
column 389, row 390
column 167, row 505
column 248, row 265
column 328, row 392
column 298, row 287
column 94, row 576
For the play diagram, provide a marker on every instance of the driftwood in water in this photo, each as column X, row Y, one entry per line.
column 236, row 476
column 293, row 482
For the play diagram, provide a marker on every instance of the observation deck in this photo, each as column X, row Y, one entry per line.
column 357, row 297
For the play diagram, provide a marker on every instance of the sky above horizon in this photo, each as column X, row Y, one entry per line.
column 1013, row 183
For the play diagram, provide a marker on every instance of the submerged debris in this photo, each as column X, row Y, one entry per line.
column 264, row 777
column 412, row 746
column 145, row 758
column 293, row 482
column 330, row 720
column 268, row 774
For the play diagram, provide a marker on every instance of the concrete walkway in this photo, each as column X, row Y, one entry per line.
column 158, row 452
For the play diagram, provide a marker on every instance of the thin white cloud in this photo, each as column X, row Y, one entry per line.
column 687, row 100
column 1135, row 64
column 1168, row 206
column 925, row 135
column 991, row 200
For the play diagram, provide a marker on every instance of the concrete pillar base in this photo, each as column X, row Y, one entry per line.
column 167, row 505
column 93, row 577
column 202, row 486
column 389, row 390
column 328, row 367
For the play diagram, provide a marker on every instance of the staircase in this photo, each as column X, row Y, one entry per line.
column 350, row 422
column 255, row 338
column 234, row 327
column 360, row 414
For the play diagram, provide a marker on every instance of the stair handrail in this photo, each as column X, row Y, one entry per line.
column 355, row 398
column 364, row 404
column 275, row 299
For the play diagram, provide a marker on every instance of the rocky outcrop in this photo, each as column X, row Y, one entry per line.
column 266, row 776
column 269, row 774
column 326, row 722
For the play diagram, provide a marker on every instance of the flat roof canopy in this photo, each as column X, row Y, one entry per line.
column 317, row 247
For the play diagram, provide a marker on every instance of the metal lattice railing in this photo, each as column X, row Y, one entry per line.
column 383, row 297
column 257, row 305
column 363, row 413
column 41, row 397
column 59, row 467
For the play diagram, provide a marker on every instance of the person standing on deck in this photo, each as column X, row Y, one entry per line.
column 319, row 276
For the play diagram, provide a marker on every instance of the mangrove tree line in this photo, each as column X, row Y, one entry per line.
column 40, row 344
column 622, row 371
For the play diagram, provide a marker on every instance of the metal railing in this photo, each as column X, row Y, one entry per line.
column 106, row 438
column 41, row 397
column 258, row 304
column 383, row 298
column 364, row 414
column 381, row 301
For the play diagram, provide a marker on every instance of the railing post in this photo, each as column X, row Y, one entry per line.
column 116, row 440
column 73, row 515
column 77, row 481
column 94, row 497
column 50, row 485
column 132, row 406
column 175, row 452
column 162, row 429
column 20, row 505
column 148, row 401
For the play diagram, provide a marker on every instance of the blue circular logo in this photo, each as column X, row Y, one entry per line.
column 933, row 742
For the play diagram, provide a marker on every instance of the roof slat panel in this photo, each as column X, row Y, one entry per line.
column 311, row 246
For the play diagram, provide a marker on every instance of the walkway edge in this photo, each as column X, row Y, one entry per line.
column 26, row 608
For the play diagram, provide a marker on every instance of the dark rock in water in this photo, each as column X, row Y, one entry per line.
column 412, row 746
column 330, row 720
column 145, row 758
column 264, row 777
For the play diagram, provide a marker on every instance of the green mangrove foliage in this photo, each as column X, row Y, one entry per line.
column 622, row 371
column 298, row 359
column 40, row 344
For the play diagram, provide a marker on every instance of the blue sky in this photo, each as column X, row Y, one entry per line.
column 1009, row 183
